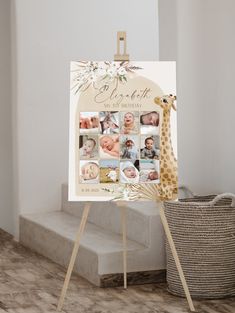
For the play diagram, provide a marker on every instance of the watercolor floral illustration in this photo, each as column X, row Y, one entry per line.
column 91, row 72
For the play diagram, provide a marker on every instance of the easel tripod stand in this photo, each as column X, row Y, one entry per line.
column 121, row 36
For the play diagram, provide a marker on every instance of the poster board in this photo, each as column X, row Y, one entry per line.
column 123, row 136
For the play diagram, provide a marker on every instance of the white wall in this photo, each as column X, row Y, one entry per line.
column 220, row 74
column 6, row 207
column 48, row 35
column 203, row 32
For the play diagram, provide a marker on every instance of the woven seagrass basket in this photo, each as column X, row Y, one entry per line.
column 203, row 230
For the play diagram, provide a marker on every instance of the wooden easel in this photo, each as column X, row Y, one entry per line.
column 121, row 36
column 122, row 205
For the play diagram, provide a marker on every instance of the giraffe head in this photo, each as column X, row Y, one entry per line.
column 166, row 102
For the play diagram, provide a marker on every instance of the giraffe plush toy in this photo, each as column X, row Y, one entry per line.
column 168, row 186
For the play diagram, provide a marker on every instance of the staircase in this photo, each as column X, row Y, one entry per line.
column 100, row 254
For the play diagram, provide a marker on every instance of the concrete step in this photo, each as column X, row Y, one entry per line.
column 141, row 216
column 52, row 234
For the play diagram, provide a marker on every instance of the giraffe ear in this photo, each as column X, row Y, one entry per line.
column 172, row 97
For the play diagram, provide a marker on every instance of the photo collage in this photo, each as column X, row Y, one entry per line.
column 119, row 147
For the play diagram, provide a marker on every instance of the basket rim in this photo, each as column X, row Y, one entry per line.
column 214, row 201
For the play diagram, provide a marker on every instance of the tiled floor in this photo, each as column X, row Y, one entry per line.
column 30, row 283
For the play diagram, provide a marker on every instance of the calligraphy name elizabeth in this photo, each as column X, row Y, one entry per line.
column 105, row 93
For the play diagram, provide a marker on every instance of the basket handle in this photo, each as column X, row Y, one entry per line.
column 187, row 190
column 223, row 195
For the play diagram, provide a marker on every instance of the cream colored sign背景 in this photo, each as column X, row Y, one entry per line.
column 123, row 140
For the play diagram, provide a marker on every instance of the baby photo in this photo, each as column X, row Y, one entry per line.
column 149, row 123
column 109, row 122
column 89, row 172
column 129, row 123
column 150, row 147
column 129, row 172
column 88, row 147
column 109, row 171
column 109, row 146
column 129, row 147
column 89, row 122
column 149, row 171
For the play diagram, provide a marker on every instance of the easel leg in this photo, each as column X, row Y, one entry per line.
column 124, row 245
column 176, row 258
column 74, row 255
